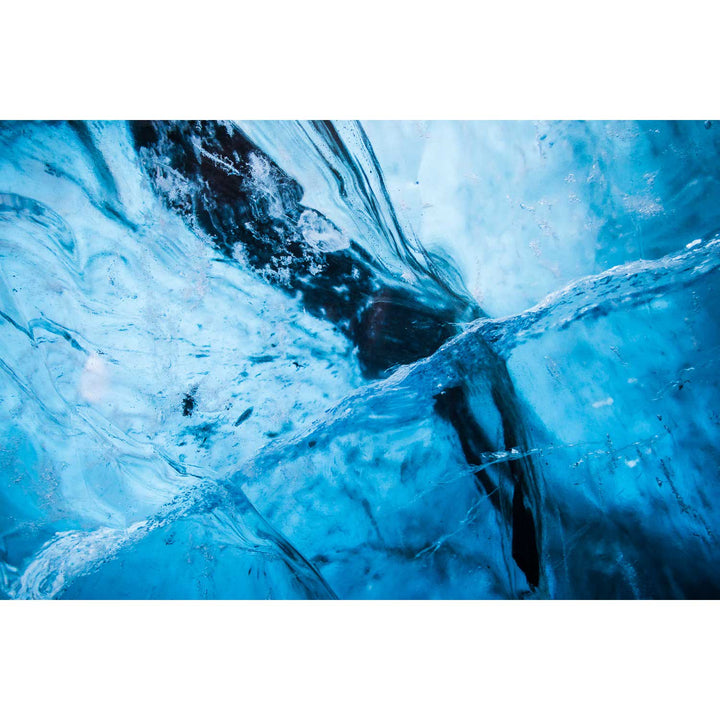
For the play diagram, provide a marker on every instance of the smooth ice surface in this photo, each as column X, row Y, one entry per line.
column 378, row 360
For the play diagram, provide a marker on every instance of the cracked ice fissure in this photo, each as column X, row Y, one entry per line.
column 390, row 360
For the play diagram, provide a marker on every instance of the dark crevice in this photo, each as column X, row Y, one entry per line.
column 453, row 405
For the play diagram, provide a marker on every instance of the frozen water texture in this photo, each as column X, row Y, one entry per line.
column 389, row 360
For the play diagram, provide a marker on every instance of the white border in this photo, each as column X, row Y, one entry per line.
column 555, row 59
column 360, row 660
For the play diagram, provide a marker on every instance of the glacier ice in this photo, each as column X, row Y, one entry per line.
column 343, row 360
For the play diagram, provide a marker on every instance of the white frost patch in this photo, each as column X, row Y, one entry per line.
column 603, row 403
column 319, row 234
column 264, row 184
column 94, row 381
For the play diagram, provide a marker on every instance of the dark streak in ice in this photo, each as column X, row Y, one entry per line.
column 244, row 416
column 452, row 404
column 391, row 323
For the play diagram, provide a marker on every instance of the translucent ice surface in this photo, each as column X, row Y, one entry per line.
column 377, row 360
